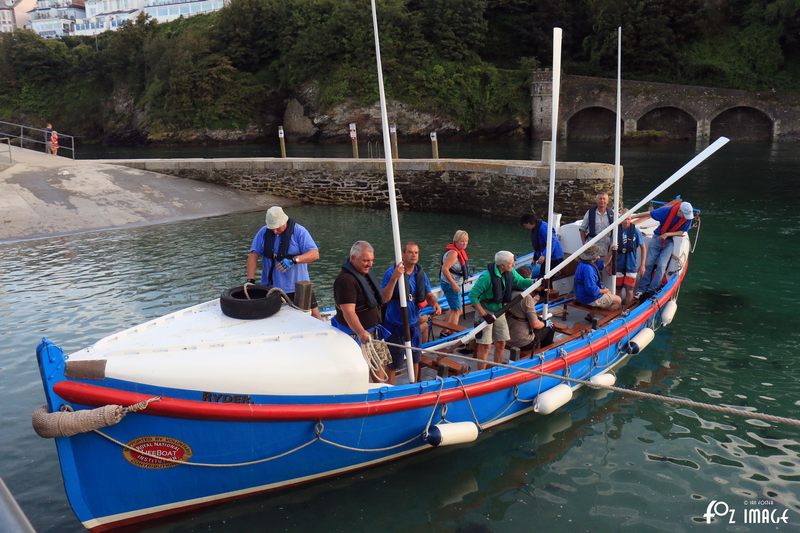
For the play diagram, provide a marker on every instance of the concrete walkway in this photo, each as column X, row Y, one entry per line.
column 42, row 195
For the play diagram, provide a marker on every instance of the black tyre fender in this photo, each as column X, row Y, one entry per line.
column 235, row 303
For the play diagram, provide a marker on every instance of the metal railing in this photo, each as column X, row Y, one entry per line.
column 34, row 137
column 5, row 141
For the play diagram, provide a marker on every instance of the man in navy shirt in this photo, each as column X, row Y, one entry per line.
column 418, row 294
column 286, row 248
column 675, row 220
column 538, row 229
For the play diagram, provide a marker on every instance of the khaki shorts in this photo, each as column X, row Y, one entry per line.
column 604, row 302
column 494, row 332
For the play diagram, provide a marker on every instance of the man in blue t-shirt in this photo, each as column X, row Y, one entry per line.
column 674, row 220
column 418, row 294
column 631, row 256
column 286, row 249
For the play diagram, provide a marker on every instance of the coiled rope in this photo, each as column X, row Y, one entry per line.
column 735, row 411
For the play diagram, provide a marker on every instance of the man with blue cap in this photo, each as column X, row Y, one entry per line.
column 286, row 249
column 674, row 221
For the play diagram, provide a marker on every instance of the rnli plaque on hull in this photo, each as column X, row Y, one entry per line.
column 156, row 452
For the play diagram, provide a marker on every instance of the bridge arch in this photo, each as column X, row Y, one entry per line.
column 677, row 122
column 744, row 123
column 592, row 123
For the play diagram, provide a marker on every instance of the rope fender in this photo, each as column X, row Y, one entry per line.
column 67, row 423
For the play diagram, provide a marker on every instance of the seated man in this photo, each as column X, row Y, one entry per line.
column 629, row 264
column 527, row 331
column 490, row 292
column 589, row 288
column 675, row 220
column 418, row 292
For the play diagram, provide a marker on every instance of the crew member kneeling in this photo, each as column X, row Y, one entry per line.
column 528, row 332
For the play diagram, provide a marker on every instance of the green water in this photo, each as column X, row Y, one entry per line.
column 603, row 463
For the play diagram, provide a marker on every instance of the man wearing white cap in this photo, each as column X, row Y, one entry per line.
column 286, row 249
column 675, row 220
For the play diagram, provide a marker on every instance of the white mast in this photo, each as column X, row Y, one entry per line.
column 553, row 139
column 617, row 144
column 387, row 150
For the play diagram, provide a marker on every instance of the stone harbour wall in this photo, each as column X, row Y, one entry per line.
column 498, row 189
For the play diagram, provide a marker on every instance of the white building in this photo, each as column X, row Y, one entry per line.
column 56, row 18
column 166, row 10
column 105, row 15
column 8, row 19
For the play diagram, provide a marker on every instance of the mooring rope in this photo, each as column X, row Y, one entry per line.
column 639, row 394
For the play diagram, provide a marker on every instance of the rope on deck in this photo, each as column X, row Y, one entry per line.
column 735, row 411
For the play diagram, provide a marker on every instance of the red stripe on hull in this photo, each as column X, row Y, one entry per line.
column 92, row 395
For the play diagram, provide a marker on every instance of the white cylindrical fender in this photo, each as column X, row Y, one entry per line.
column 550, row 400
column 640, row 341
column 452, row 433
column 668, row 312
column 606, row 378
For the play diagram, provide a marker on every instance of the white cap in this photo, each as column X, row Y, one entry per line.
column 686, row 211
column 277, row 218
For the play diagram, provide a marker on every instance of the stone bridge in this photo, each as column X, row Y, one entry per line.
column 587, row 109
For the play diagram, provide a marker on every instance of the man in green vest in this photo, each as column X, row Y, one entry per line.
column 490, row 293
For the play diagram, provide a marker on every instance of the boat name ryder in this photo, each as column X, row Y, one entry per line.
column 214, row 397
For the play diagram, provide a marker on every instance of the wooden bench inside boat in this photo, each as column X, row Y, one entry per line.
column 445, row 366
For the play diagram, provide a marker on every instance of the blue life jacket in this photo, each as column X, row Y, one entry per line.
column 419, row 286
column 283, row 248
column 626, row 245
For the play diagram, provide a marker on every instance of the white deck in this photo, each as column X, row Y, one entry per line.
column 199, row 348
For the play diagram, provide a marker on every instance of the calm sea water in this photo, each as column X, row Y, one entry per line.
column 602, row 463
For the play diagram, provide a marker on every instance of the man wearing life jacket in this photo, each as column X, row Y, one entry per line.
column 589, row 287
column 675, row 220
column 357, row 296
column 489, row 294
column 538, row 229
column 418, row 294
column 453, row 274
column 286, row 249
column 631, row 256
column 527, row 330
column 596, row 220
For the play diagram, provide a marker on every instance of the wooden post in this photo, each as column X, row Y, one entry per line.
column 393, row 135
column 434, row 145
column 547, row 146
column 354, row 139
column 282, row 141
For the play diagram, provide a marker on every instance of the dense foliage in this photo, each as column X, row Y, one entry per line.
column 470, row 59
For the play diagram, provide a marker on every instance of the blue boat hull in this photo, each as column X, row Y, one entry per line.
column 217, row 452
